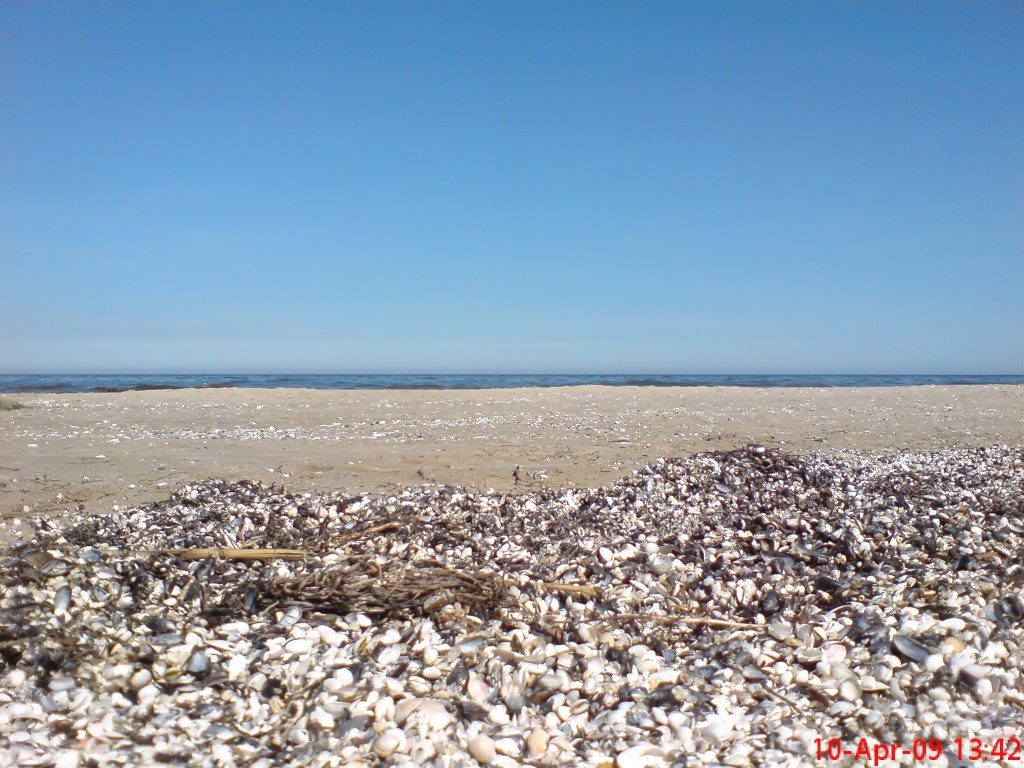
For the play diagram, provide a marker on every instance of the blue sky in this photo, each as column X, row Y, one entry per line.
column 527, row 187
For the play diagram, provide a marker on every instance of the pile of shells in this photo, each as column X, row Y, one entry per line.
column 728, row 608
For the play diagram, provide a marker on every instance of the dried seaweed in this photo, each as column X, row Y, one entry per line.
column 395, row 589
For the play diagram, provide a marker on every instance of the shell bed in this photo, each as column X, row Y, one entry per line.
column 727, row 608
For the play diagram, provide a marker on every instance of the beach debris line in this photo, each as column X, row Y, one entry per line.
column 237, row 554
column 727, row 608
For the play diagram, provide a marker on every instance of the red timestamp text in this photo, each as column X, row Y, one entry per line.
column 875, row 753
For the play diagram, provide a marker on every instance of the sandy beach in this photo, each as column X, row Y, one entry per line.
column 737, row 608
column 829, row 574
column 93, row 451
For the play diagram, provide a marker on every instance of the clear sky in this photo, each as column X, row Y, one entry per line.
column 512, row 187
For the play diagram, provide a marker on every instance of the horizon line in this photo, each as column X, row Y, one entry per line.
column 492, row 373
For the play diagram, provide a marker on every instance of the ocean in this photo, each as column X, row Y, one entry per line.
column 124, row 382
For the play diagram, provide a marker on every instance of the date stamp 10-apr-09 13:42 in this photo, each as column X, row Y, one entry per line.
column 1006, row 751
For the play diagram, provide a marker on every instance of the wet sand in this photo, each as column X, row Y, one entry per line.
column 92, row 451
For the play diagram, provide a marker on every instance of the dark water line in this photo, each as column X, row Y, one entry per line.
column 108, row 383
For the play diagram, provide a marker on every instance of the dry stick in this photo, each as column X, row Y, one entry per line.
column 705, row 620
column 382, row 528
column 576, row 589
column 236, row 554
column 1013, row 696
column 779, row 696
column 589, row 590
